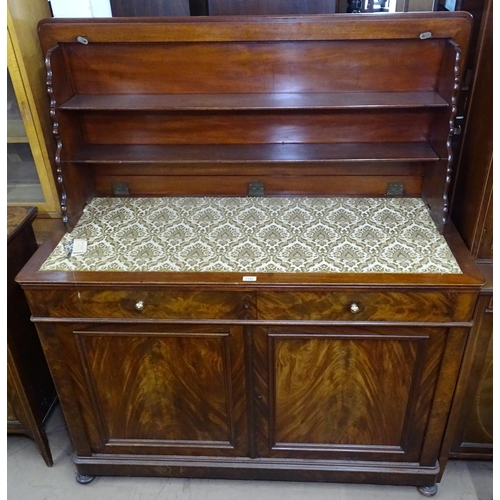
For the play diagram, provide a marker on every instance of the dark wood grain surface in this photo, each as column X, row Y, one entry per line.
column 472, row 207
column 231, row 67
column 19, row 218
column 287, row 356
column 270, row 7
column 479, row 431
column 254, row 128
column 122, row 304
column 278, row 101
column 30, row 391
column 131, row 8
column 256, row 154
column 469, row 434
column 371, row 306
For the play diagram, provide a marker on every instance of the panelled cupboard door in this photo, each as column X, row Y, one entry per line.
column 479, row 430
column 362, row 393
column 474, row 435
column 155, row 389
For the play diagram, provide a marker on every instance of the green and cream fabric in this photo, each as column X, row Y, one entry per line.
column 252, row 235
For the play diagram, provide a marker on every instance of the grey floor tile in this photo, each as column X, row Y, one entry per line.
column 482, row 477
column 28, row 478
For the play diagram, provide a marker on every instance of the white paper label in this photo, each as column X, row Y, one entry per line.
column 79, row 246
column 249, row 278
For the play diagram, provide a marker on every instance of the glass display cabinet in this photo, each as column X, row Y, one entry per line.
column 30, row 180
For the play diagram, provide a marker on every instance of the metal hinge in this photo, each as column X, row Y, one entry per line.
column 120, row 189
column 256, row 189
column 457, row 129
column 395, row 189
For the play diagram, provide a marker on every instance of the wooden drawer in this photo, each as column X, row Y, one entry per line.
column 282, row 305
column 142, row 304
column 366, row 306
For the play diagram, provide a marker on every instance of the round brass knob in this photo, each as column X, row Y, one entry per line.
column 354, row 308
column 140, row 305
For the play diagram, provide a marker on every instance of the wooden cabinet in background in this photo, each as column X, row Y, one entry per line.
column 472, row 203
column 470, row 428
column 270, row 7
column 30, row 145
column 30, row 390
column 146, row 8
column 474, row 436
column 470, row 433
column 149, row 8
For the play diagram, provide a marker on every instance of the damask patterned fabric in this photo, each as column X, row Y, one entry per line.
column 257, row 234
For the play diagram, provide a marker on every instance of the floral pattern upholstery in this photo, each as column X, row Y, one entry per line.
column 257, row 234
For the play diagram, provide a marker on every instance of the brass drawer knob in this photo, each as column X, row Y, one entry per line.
column 140, row 305
column 354, row 308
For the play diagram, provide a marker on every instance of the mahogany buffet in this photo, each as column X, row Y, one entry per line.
column 259, row 279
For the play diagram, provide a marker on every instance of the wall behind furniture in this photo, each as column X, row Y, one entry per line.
column 80, row 8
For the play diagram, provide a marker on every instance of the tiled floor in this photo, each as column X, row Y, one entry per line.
column 30, row 479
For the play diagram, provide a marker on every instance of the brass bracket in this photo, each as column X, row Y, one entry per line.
column 256, row 189
column 395, row 189
column 120, row 189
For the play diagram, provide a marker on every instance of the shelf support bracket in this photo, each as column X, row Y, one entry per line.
column 256, row 189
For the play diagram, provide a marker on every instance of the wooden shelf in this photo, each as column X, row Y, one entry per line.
column 278, row 101
column 262, row 153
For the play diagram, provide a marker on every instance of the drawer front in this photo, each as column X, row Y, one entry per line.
column 142, row 304
column 366, row 306
column 281, row 305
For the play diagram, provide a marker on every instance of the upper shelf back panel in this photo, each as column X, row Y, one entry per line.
column 257, row 54
column 247, row 67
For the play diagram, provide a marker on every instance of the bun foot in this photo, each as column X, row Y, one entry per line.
column 83, row 479
column 428, row 491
